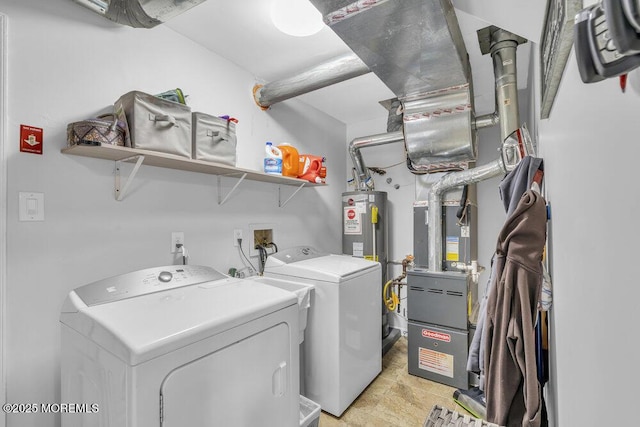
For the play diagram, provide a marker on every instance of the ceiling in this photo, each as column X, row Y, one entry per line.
column 242, row 32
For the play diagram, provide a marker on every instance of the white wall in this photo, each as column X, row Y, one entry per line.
column 590, row 148
column 67, row 64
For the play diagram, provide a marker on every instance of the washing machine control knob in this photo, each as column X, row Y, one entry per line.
column 165, row 276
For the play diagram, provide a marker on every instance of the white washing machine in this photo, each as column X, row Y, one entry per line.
column 180, row 346
column 342, row 349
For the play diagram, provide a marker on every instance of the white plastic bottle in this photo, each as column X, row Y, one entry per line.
column 273, row 160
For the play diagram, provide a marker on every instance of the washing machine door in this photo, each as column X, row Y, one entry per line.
column 243, row 384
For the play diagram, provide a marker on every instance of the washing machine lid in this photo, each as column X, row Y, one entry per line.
column 153, row 323
column 295, row 254
column 323, row 267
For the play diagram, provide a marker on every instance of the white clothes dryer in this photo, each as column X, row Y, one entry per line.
column 180, row 346
column 342, row 350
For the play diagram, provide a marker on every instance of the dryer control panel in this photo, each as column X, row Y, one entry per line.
column 144, row 282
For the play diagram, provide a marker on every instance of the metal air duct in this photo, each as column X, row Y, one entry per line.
column 139, row 13
column 502, row 45
column 416, row 48
column 438, row 130
column 413, row 46
column 336, row 70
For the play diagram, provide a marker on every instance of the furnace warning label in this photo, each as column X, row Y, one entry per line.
column 453, row 248
column 436, row 362
column 352, row 221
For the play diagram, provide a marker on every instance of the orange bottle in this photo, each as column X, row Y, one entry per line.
column 290, row 160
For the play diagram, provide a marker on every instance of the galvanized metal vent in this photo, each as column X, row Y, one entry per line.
column 416, row 48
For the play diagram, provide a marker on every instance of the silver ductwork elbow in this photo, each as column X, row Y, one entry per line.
column 451, row 180
column 361, row 173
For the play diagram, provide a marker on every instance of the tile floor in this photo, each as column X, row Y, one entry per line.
column 394, row 398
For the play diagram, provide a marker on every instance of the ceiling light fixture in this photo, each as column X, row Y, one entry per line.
column 297, row 18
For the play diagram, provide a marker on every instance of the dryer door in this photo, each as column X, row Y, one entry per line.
column 244, row 384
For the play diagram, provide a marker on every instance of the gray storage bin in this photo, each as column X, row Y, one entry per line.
column 309, row 412
column 156, row 124
column 214, row 139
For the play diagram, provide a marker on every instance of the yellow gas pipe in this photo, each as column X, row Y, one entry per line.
column 393, row 300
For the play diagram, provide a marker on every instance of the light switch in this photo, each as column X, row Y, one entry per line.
column 31, row 206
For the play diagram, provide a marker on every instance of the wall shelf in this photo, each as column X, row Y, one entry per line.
column 152, row 158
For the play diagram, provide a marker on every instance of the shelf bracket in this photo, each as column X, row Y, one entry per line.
column 280, row 202
column 119, row 193
column 221, row 199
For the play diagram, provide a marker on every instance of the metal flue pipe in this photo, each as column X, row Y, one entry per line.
column 497, row 38
column 336, row 70
column 362, row 175
column 503, row 51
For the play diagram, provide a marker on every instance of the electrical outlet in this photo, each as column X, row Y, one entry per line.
column 237, row 234
column 177, row 238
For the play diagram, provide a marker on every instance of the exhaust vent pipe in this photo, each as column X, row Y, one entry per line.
column 361, row 173
column 502, row 46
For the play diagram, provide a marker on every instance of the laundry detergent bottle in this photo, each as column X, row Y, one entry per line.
column 312, row 168
column 290, row 160
column 273, row 160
